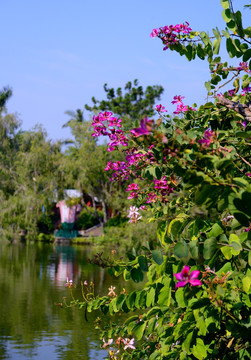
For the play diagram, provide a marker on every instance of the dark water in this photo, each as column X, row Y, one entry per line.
column 32, row 325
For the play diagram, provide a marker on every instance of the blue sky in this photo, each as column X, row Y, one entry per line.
column 56, row 54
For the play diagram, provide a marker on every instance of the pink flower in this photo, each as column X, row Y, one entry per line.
column 129, row 344
column 160, row 108
column 145, row 124
column 151, row 198
column 68, row 283
column 154, row 33
column 132, row 187
column 231, row 92
column 177, row 99
column 133, row 195
column 112, row 293
column 185, row 278
column 246, row 91
column 133, row 215
column 208, row 137
column 109, row 342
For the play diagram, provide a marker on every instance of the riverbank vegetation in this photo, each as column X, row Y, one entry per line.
column 35, row 171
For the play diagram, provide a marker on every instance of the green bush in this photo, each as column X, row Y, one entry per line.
column 87, row 219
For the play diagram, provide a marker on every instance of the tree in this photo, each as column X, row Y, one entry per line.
column 5, row 94
column 192, row 173
column 83, row 167
column 133, row 105
column 29, row 178
column 77, row 116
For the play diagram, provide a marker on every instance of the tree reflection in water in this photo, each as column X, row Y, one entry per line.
column 32, row 279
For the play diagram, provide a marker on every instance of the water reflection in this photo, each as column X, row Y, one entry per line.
column 32, row 282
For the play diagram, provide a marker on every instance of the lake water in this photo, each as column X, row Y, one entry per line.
column 32, row 325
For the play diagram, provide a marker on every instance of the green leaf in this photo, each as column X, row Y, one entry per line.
column 133, row 318
column 225, row 268
column 130, row 300
column 225, row 4
column 143, row 263
column 247, row 55
column 216, row 46
column 231, row 48
column 119, row 301
column 235, row 243
column 198, row 304
column 150, row 297
column 187, row 342
column 140, row 301
column 165, row 293
column 201, row 325
column 238, row 20
column 210, row 246
column 137, row 275
column 199, row 350
column 217, row 229
column 200, row 52
column 161, row 230
column 139, row 330
column 246, row 283
column 194, row 250
column 227, row 252
column 247, row 31
column 227, row 15
column 127, row 275
column 180, row 250
column 157, row 257
column 153, row 311
column 220, row 291
column 208, row 85
column 180, row 297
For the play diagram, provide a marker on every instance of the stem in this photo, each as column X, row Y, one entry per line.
column 219, row 87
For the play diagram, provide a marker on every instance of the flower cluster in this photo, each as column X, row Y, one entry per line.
column 134, row 214
column 107, row 125
column 181, row 108
column 160, row 108
column 163, row 186
column 172, row 34
column 144, row 129
column 125, row 343
column 135, row 160
column 208, row 138
column 244, row 66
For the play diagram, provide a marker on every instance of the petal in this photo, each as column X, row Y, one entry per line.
column 181, row 284
column 179, row 276
column 195, row 282
column 194, row 274
column 185, row 270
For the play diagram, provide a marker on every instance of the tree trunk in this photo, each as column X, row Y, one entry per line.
column 105, row 211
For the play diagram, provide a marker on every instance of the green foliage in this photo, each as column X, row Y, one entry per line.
column 134, row 104
column 87, row 218
column 199, row 173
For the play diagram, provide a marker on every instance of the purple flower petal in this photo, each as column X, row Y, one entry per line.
column 195, row 282
column 178, row 276
column 185, row 271
column 181, row 284
column 194, row 274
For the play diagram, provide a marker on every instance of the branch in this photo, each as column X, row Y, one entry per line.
column 242, row 109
